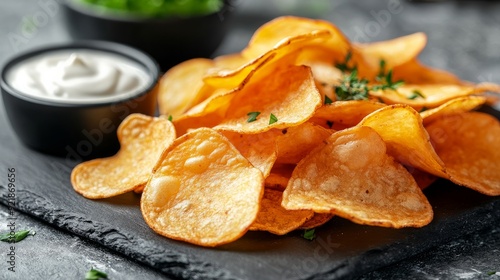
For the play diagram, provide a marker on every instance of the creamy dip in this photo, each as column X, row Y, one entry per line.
column 78, row 76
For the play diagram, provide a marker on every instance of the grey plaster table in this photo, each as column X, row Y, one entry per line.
column 464, row 37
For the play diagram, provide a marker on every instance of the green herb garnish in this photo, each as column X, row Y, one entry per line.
column 327, row 100
column 94, row 274
column 344, row 66
column 252, row 116
column 170, row 118
column 415, row 94
column 16, row 237
column 309, row 234
column 272, row 119
column 352, row 88
column 386, row 79
column 491, row 273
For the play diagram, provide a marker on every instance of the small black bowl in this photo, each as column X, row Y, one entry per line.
column 77, row 131
column 170, row 40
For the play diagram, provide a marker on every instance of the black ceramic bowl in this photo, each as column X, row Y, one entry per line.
column 81, row 130
column 169, row 40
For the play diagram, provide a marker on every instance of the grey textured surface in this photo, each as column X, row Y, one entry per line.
column 463, row 38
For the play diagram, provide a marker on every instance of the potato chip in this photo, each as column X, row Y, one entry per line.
column 407, row 140
column 422, row 178
column 259, row 149
column 454, row 106
column 281, row 29
column 414, row 72
column 352, row 176
column 297, row 141
column 393, row 52
column 202, row 191
column 343, row 114
column 423, row 96
column 180, row 87
column 142, row 139
column 469, row 144
column 290, row 96
column 317, row 220
column 276, row 219
column 279, row 176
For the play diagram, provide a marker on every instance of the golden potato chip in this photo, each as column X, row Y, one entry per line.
column 343, row 114
column 469, row 144
column 407, row 140
column 422, row 178
column 352, row 176
column 297, row 141
column 393, row 52
column 230, row 78
column 317, row 220
column 281, row 29
column 180, row 87
column 202, row 191
column 259, row 149
column 276, row 219
column 423, row 96
column 413, row 72
column 142, row 139
column 279, row 176
column 454, row 106
column 288, row 98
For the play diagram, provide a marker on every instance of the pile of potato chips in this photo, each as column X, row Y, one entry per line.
column 300, row 126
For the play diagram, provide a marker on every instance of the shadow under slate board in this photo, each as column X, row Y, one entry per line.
column 341, row 249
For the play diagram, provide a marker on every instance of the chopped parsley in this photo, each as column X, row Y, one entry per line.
column 16, row 237
column 252, row 116
column 272, row 119
column 170, row 118
column 309, row 234
column 94, row 274
column 415, row 94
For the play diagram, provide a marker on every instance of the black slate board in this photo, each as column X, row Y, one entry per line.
column 341, row 250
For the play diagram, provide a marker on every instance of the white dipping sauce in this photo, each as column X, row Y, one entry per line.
column 78, row 76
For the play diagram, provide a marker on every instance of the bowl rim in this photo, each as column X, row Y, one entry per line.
column 150, row 65
column 135, row 18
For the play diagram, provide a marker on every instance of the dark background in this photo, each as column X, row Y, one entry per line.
column 463, row 37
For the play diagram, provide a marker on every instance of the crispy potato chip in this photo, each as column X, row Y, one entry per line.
column 407, row 140
column 202, row 191
column 454, row 106
column 231, row 78
column 469, row 144
column 422, row 178
column 317, row 220
column 394, row 52
column 297, row 141
column 423, row 96
column 413, row 72
column 259, row 149
column 279, row 176
column 276, row 219
column 180, row 87
column 290, row 95
column 281, row 29
column 352, row 176
column 142, row 139
column 344, row 114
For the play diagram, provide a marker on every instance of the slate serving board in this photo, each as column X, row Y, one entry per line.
column 341, row 250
